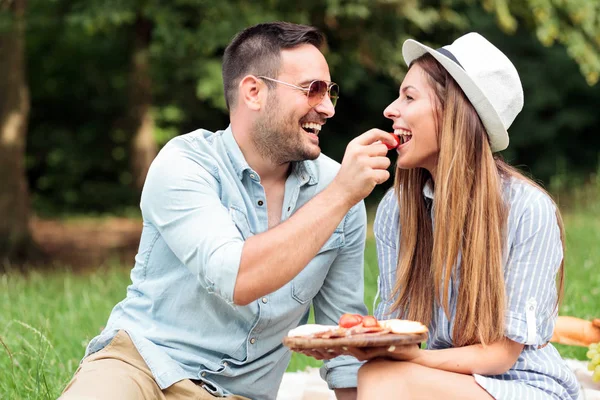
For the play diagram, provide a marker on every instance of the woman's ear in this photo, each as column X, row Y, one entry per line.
column 252, row 92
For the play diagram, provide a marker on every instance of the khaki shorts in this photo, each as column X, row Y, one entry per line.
column 119, row 372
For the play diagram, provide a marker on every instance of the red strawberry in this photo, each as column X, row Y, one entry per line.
column 397, row 139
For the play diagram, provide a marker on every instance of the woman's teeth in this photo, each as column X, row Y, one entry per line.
column 312, row 127
column 404, row 135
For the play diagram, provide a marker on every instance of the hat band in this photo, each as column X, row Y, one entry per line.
column 448, row 54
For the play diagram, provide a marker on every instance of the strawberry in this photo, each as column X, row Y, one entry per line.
column 396, row 139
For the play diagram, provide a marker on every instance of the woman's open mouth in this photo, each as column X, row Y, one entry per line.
column 404, row 135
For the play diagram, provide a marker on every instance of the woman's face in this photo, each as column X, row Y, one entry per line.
column 413, row 116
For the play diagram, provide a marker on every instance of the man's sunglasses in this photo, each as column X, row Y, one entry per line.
column 315, row 92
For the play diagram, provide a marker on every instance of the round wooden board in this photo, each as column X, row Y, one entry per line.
column 363, row 340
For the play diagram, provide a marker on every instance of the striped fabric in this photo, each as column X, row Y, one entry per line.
column 531, row 262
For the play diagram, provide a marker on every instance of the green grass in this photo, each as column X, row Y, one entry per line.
column 46, row 319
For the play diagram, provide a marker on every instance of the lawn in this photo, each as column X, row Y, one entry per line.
column 46, row 319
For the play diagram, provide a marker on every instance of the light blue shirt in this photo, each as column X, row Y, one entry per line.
column 532, row 256
column 200, row 202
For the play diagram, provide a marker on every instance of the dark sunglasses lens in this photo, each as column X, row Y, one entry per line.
column 316, row 92
column 334, row 93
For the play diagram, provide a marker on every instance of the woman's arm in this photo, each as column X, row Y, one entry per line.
column 493, row 359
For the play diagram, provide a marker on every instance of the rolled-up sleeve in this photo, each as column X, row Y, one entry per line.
column 530, row 272
column 343, row 292
column 181, row 199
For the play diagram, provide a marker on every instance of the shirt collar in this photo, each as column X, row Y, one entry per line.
column 235, row 153
column 305, row 170
column 428, row 189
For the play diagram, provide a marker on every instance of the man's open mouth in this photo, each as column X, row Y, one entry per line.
column 312, row 127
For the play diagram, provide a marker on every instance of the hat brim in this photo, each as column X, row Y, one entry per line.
column 411, row 50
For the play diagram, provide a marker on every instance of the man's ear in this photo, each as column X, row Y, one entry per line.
column 252, row 92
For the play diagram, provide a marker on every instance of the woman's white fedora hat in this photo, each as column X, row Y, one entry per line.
column 487, row 77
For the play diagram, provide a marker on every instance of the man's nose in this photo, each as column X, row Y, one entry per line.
column 326, row 107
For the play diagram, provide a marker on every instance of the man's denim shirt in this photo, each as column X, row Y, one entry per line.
column 200, row 202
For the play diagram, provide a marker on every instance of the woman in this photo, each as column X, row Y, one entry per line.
column 466, row 244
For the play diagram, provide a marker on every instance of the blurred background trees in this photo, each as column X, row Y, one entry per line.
column 15, row 239
column 111, row 81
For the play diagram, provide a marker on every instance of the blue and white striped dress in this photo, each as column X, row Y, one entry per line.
column 530, row 266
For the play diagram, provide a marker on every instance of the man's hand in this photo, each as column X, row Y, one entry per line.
column 364, row 165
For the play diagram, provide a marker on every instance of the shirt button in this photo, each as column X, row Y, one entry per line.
column 225, row 363
column 264, row 300
column 260, row 203
column 203, row 374
column 252, row 176
column 252, row 341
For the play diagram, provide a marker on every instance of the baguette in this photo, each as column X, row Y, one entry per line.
column 576, row 331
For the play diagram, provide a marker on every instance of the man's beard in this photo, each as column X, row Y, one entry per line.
column 278, row 139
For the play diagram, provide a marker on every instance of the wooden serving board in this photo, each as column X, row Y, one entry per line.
column 362, row 340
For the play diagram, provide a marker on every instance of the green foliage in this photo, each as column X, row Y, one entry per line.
column 573, row 23
column 78, row 69
column 46, row 321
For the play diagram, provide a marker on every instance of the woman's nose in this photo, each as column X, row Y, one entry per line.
column 391, row 111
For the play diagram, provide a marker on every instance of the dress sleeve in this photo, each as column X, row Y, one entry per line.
column 534, row 258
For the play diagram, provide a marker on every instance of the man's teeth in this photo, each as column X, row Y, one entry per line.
column 314, row 127
column 404, row 135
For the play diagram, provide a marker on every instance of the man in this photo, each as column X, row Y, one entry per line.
column 243, row 230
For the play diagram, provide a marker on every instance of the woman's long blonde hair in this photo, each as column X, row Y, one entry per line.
column 470, row 217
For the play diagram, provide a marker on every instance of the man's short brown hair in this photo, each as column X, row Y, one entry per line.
column 257, row 50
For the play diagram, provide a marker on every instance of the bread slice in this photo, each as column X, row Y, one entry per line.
column 403, row 326
column 311, row 330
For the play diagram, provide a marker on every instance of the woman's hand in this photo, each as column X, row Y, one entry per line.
column 322, row 354
column 399, row 353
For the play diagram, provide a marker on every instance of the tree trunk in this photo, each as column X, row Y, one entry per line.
column 16, row 243
column 143, row 145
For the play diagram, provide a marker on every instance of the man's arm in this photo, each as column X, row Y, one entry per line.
column 181, row 198
column 296, row 241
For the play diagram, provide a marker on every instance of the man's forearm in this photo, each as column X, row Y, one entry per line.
column 273, row 258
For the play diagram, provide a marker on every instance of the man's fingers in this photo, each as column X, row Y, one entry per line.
column 373, row 135
column 379, row 162
column 377, row 149
column 381, row 175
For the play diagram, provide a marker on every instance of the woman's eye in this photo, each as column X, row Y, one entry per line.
column 409, row 98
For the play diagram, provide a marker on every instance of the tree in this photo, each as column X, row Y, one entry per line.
column 575, row 24
column 85, row 66
column 16, row 243
column 140, row 121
